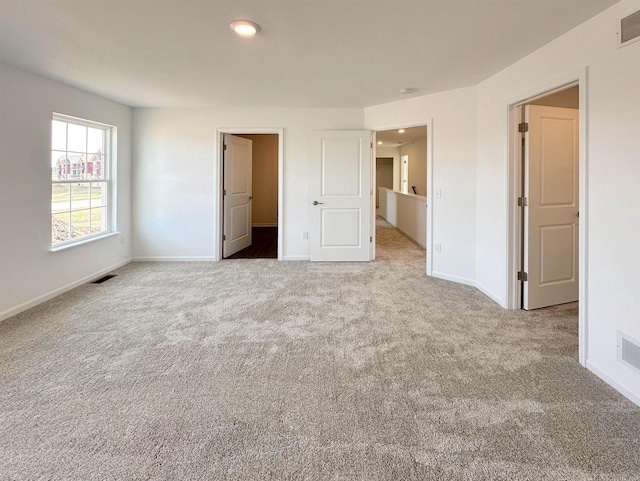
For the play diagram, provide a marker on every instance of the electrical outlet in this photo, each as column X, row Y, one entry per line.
column 437, row 247
column 122, row 240
column 438, row 194
column 305, row 235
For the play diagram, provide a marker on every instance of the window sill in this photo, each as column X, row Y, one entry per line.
column 84, row 241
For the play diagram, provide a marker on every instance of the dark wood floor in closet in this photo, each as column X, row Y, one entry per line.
column 264, row 245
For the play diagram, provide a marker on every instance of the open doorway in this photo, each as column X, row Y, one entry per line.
column 550, row 204
column 550, row 201
column 250, row 180
column 570, row 94
column 401, row 193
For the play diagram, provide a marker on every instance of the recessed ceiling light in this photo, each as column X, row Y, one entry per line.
column 245, row 28
column 401, row 131
column 406, row 91
column 379, row 142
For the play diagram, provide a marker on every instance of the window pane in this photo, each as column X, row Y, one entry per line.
column 80, row 223
column 58, row 135
column 98, row 220
column 77, row 138
column 98, row 194
column 95, row 141
column 59, row 228
column 95, row 167
column 79, row 196
column 58, row 165
column 60, row 200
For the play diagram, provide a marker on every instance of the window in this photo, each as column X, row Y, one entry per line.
column 80, row 180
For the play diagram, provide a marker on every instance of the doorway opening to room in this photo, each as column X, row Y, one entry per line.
column 401, row 193
column 546, row 195
column 250, row 183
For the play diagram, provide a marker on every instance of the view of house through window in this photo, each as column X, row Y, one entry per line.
column 80, row 189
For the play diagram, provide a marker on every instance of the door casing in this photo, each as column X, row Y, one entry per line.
column 513, row 190
column 219, row 179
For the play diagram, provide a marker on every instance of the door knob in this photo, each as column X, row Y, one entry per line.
column 250, row 197
column 315, row 202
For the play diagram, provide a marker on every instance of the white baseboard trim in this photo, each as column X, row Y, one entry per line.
column 469, row 282
column 489, row 294
column 614, row 383
column 296, row 258
column 264, row 225
column 174, row 259
column 50, row 295
column 405, row 233
column 459, row 280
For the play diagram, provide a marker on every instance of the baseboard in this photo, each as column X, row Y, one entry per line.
column 406, row 234
column 50, row 295
column 174, row 259
column 264, row 225
column 614, row 383
column 459, row 280
column 490, row 294
column 296, row 258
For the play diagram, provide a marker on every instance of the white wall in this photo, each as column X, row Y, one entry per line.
column 613, row 94
column 173, row 174
column 454, row 172
column 405, row 212
column 28, row 271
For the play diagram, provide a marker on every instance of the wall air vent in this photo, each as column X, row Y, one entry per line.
column 630, row 29
column 103, row 279
column 629, row 351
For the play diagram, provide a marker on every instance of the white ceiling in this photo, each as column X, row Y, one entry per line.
column 310, row 53
column 393, row 138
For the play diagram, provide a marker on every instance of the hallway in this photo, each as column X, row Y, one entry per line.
column 391, row 244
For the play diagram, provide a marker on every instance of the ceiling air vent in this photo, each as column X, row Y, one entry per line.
column 629, row 350
column 630, row 29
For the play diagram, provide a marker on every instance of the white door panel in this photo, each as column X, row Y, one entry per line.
column 341, row 186
column 551, row 216
column 237, row 198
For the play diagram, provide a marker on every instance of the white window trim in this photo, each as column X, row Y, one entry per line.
column 83, row 240
column 109, row 169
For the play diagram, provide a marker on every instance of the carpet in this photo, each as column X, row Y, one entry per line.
column 265, row 370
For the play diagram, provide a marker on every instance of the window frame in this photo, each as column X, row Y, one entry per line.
column 108, row 169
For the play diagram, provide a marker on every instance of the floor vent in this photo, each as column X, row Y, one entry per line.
column 630, row 29
column 629, row 351
column 103, row 279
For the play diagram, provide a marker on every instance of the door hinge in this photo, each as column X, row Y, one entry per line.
column 522, row 276
column 370, row 238
column 372, row 145
column 224, row 191
column 523, row 202
column 523, row 127
column 224, row 147
column 224, row 237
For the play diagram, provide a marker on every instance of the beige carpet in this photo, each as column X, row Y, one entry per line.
column 259, row 370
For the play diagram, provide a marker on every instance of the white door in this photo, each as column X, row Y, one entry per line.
column 342, row 196
column 237, row 194
column 551, row 214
